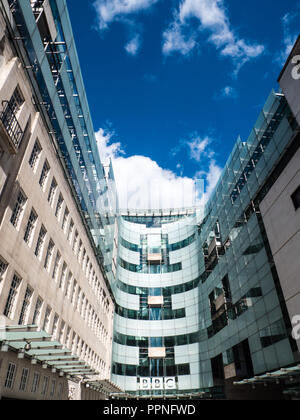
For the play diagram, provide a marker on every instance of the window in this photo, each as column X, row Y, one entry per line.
column 59, row 206
column 54, row 326
column 30, row 226
column 62, row 331
column 18, row 209
column 45, row 385
column 71, row 227
column 79, row 250
column 35, row 154
column 60, row 390
column 78, row 299
column 40, row 241
column 74, row 291
column 52, row 190
column 47, row 318
column 65, row 219
column 35, row 382
column 296, row 198
column 68, row 336
column 10, row 376
column 8, row 117
column 12, row 295
column 75, row 241
column 56, row 266
column 44, row 174
column 49, row 254
column 53, row 384
column 63, row 276
column 37, row 311
column 24, row 380
column 3, row 267
column 17, row 100
column 25, row 305
column 67, row 293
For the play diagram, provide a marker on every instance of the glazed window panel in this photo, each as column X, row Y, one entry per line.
column 35, row 155
column 30, row 227
column 18, row 209
column 16, row 281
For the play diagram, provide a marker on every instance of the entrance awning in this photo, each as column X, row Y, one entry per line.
column 285, row 374
column 39, row 347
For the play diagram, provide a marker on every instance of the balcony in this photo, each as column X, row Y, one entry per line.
column 10, row 130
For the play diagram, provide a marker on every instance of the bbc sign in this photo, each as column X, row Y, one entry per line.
column 289, row 80
column 157, row 383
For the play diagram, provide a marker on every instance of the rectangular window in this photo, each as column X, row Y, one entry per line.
column 3, row 267
column 35, row 382
column 10, row 376
column 75, row 241
column 18, row 209
column 56, row 266
column 68, row 288
column 25, row 306
column 37, row 311
column 74, row 291
column 78, row 299
column 40, row 241
column 9, row 118
column 17, row 100
column 52, row 392
column 59, row 206
column 52, row 190
column 12, row 295
column 47, row 319
column 62, row 331
column 63, row 276
column 65, row 219
column 24, row 380
column 44, row 174
column 71, row 227
column 30, row 226
column 54, row 326
column 49, row 255
column 296, row 198
column 35, row 154
column 60, row 390
column 45, row 385
column 79, row 250
column 68, row 336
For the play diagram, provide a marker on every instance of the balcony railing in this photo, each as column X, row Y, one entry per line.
column 10, row 124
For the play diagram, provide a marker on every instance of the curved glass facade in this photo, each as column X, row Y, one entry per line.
column 156, row 319
column 199, row 300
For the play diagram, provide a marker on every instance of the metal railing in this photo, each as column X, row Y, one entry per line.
column 10, row 123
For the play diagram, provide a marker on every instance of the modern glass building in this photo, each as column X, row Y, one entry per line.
column 199, row 303
column 192, row 303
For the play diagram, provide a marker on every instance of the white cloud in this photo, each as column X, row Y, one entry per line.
column 111, row 10
column 289, row 38
column 142, row 183
column 212, row 177
column 175, row 40
column 228, row 92
column 211, row 15
column 197, row 146
column 133, row 46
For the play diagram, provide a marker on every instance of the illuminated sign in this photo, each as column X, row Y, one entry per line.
column 157, row 383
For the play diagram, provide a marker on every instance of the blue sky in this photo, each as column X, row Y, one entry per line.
column 172, row 83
